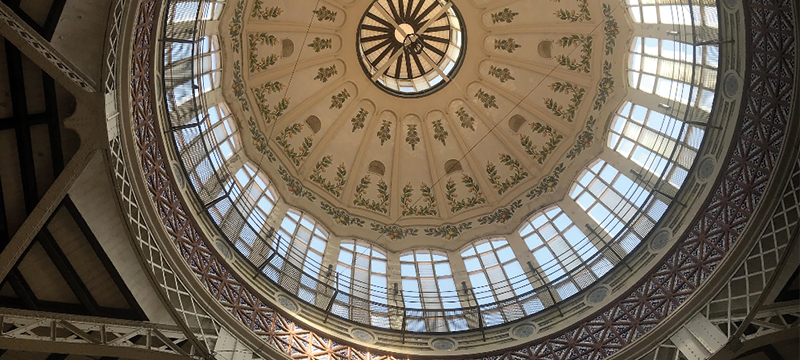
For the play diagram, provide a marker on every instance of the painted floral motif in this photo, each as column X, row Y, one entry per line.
column 294, row 186
column 235, row 28
column 238, row 85
column 501, row 74
column 338, row 100
column 505, row 185
column 553, row 139
column 319, row 44
column 575, row 16
column 585, row 139
column 567, row 114
column 259, row 140
column 325, row 73
column 324, row 14
column 385, row 131
column 610, row 28
column 339, row 181
column 261, row 93
column 266, row 13
column 604, row 87
column 584, row 65
column 456, row 204
column 381, row 205
column 501, row 215
column 263, row 63
column 296, row 156
column 409, row 208
column 508, row 45
column 359, row 119
column 448, row 231
column 547, row 184
column 439, row 133
column 341, row 216
column 412, row 138
column 506, row 16
column 489, row 101
column 393, row 232
column 467, row 121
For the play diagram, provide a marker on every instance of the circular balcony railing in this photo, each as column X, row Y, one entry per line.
column 184, row 88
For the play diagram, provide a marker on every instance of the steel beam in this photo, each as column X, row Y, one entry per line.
column 89, row 336
column 21, row 128
column 44, row 209
column 104, row 259
column 68, row 272
column 53, row 123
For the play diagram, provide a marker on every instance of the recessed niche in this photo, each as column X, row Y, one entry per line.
column 287, row 46
column 452, row 166
column 516, row 122
column 545, row 49
column 314, row 123
column 377, row 167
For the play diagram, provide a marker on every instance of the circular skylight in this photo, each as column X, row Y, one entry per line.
column 411, row 48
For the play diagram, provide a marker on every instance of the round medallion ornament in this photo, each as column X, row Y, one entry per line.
column 597, row 295
column 287, row 303
column 523, row 331
column 362, row 335
column 223, row 249
column 705, row 169
column 730, row 85
column 443, row 344
column 176, row 170
column 660, row 240
column 411, row 48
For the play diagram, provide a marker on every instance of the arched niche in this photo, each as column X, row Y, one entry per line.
column 287, row 47
column 545, row 49
column 452, row 166
column 314, row 123
column 377, row 167
column 516, row 122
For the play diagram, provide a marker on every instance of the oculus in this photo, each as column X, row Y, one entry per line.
column 411, row 48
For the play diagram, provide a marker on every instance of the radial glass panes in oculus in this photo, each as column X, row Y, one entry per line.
column 411, row 48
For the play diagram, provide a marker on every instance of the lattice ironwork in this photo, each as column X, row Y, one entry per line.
column 701, row 249
column 72, row 329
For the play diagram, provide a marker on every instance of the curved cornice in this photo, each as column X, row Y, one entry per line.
column 695, row 258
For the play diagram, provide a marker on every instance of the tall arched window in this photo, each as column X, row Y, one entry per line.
column 666, row 68
column 560, row 247
column 427, row 283
column 302, row 241
column 361, row 270
column 181, row 65
column 703, row 12
column 496, row 275
column 649, row 139
column 612, row 199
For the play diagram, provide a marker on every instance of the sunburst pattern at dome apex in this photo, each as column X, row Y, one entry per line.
column 411, row 48
column 504, row 138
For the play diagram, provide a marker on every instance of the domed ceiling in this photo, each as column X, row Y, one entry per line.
column 399, row 121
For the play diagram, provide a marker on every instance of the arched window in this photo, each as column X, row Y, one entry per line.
column 560, row 247
column 650, row 12
column 496, row 275
column 181, row 64
column 612, row 200
column 221, row 142
column 361, row 270
column 649, row 139
column 427, row 282
column 252, row 194
column 452, row 166
column 665, row 68
column 302, row 241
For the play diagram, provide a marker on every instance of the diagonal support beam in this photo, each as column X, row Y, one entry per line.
column 43, row 210
column 68, row 272
column 39, row 50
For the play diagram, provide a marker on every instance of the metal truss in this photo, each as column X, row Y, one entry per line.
column 60, row 333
